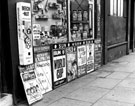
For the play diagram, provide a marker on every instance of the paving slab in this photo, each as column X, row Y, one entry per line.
column 50, row 97
column 76, row 84
column 121, row 94
column 118, row 75
column 128, row 82
column 70, row 102
column 91, row 94
column 132, row 75
column 111, row 103
column 104, row 83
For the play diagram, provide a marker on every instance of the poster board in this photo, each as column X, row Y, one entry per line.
column 43, row 68
column 59, row 64
column 81, row 58
column 98, row 54
column 30, row 83
column 71, row 56
column 49, row 19
column 23, row 11
column 90, row 56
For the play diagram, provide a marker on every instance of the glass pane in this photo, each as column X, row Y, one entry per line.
column 121, row 8
column 111, row 7
column 115, row 8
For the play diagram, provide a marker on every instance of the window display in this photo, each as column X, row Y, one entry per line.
column 81, row 20
column 49, row 19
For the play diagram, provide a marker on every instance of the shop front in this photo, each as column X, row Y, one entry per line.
column 51, row 43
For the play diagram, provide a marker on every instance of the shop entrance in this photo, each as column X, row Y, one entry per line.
column 116, row 39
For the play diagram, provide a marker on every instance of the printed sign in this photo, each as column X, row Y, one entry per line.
column 43, row 68
column 71, row 53
column 30, row 83
column 98, row 54
column 24, row 33
column 81, row 60
column 59, row 65
column 90, row 57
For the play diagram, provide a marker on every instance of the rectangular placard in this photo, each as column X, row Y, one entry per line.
column 71, row 55
column 59, row 65
column 90, row 56
column 24, row 33
column 31, row 86
column 98, row 55
column 43, row 68
column 81, row 59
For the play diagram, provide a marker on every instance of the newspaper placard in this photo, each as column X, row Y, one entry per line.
column 98, row 55
column 24, row 33
column 71, row 53
column 30, row 83
column 81, row 60
column 59, row 65
column 43, row 68
column 90, row 56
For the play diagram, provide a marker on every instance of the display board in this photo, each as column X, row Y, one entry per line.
column 90, row 56
column 49, row 19
column 43, row 68
column 81, row 58
column 59, row 64
column 81, row 20
column 71, row 56
column 30, row 83
column 98, row 54
column 24, row 33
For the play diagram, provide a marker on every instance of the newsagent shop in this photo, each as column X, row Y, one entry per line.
column 48, row 43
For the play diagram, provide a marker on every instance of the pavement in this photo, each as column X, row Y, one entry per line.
column 111, row 85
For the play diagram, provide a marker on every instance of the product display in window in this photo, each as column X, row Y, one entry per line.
column 71, row 54
column 81, row 18
column 49, row 21
column 59, row 64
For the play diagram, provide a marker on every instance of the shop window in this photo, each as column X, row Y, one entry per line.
column 116, row 8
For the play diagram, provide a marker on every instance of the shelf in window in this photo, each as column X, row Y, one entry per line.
column 76, row 22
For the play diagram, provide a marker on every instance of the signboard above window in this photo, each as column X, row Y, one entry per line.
column 116, row 8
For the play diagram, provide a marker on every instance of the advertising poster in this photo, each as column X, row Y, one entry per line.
column 71, row 54
column 90, row 56
column 24, row 33
column 49, row 21
column 81, row 59
column 30, row 83
column 43, row 68
column 59, row 65
column 98, row 54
